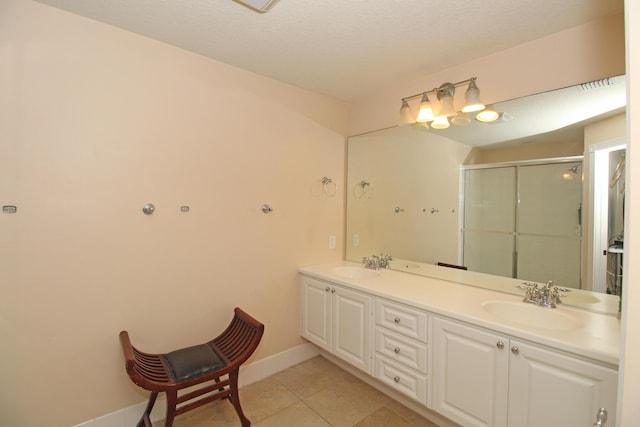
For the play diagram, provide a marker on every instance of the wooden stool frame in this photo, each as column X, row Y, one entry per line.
column 150, row 371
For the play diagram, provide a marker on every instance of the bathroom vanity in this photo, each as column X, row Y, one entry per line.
column 475, row 356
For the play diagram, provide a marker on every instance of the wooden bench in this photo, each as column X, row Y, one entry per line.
column 211, row 369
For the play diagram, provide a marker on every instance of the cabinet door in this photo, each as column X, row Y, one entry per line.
column 316, row 312
column 352, row 327
column 552, row 389
column 470, row 374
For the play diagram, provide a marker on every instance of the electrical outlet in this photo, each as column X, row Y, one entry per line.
column 355, row 241
column 332, row 242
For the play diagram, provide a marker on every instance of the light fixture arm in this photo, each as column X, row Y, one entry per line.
column 445, row 88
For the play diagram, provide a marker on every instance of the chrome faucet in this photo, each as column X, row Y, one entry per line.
column 376, row 262
column 384, row 260
column 546, row 296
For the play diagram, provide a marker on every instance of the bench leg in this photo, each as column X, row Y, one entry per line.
column 172, row 401
column 146, row 416
column 235, row 400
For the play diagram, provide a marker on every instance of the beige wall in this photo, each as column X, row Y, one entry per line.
column 95, row 122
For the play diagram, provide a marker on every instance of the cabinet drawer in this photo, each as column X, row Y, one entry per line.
column 401, row 379
column 401, row 349
column 402, row 319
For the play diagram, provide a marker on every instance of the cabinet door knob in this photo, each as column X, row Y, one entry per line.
column 515, row 350
column 396, row 379
column 333, row 290
column 500, row 345
column 397, row 320
column 327, row 289
column 396, row 350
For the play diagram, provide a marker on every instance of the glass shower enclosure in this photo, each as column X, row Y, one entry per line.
column 524, row 220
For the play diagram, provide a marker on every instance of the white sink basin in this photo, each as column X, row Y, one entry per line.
column 355, row 272
column 576, row 298
column 531, row 315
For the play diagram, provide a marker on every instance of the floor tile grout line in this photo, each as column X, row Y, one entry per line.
column 303, row 400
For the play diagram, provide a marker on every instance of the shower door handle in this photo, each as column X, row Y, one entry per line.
column 580, row 214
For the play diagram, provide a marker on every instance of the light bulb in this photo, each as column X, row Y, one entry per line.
column 440, row 122
column 461, row 119
column 472, row 98
column 446, row 108
column 426, row 112
column 487, row 115
column 406, row 117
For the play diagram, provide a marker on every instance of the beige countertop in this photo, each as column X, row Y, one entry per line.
column 596, row 336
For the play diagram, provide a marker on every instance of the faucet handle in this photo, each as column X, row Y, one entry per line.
column 555, row 295
column 373, row 262
column 384, row 260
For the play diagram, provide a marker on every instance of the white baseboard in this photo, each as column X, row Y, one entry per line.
column 250, row 373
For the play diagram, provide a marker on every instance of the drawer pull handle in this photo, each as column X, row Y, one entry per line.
column 396, row 350
column 396, row 379
column 500, row 345
column 397, row 320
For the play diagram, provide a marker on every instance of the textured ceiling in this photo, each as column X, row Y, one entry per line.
column 345, row 49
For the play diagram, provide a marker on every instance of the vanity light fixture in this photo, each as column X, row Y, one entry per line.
column 440, row 122
column 439, row 115
column 445, row 96
column 425, row 114
column 406, row 117
column 261, row 6
column 487, row 115
column 472, row 101
column 461, row 119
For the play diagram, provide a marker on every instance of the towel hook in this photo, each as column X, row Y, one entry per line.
column 148, row 208
column 329, row 187
column 367, row 190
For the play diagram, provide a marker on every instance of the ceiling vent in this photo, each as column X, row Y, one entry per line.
column 261, row 6
column 596, row 84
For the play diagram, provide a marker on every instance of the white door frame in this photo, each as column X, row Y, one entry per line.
column 598, row 212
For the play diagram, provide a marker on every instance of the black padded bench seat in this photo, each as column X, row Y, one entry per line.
column 192, row 362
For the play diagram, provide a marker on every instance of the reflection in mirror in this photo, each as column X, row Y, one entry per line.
column 406, row 194
column 524, row 220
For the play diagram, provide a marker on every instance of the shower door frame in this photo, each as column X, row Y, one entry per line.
column 516, row 164
column 598, row 239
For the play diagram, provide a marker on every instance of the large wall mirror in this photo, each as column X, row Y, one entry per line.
column 465, row 195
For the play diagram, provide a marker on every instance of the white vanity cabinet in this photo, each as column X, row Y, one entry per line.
column 401, row 351
column 482, row 378
column 338, row 320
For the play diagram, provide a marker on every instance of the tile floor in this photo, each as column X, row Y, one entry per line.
column 315, row 393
